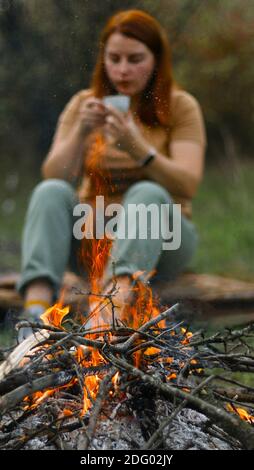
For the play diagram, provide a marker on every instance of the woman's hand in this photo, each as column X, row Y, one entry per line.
column 125, row 133
column 92, row 115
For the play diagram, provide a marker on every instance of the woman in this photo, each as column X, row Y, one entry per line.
column 153, row 154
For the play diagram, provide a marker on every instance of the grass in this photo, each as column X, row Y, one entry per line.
column 14, row 194
column 223, row 213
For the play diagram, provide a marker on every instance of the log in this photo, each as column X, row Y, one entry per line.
column 217, row 296
column 15, row 358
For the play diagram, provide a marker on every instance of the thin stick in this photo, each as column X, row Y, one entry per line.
column 125, row 346
column 104, row 387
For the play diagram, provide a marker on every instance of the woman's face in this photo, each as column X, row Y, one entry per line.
column 129, row 64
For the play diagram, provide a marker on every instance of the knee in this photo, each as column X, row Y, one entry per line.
column 53, row 190
column 148, row 192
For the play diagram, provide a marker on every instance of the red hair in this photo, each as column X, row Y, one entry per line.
column 154, row 106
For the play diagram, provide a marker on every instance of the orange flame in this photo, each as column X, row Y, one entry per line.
column 152, row 351
column 67, row 412
column 55, row 315
column 244, row 415
column 94, row 252
column 171, row 376
column 38, row 397
column 115, row 379
column 187, row 335
column 91, row 387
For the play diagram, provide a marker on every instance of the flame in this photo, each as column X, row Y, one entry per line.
column 187, row 335
column 91, row 382
column 91, row 387
column 242, row 413
column 55, row 315
column 115, row 379
column 151, row 351
column 166, row 360
column 67, row 412
column 171, row 376
column 145, row 309
column 37, row 398
column 94, row 252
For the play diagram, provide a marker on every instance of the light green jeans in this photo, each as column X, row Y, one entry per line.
column 49, row 247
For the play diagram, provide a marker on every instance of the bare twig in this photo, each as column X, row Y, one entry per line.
column 103, row 390
column 125, row 346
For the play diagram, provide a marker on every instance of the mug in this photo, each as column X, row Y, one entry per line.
column 120, row 102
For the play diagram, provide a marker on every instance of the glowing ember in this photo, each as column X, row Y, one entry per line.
column 171, row 376
column 166, row 360
column 151, row 351
column 67, row 412
column 187, row 335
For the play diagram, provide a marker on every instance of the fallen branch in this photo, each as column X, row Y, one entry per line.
column 11, row 399
column 22, row 350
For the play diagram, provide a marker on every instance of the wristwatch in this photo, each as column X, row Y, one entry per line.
column 149, row 157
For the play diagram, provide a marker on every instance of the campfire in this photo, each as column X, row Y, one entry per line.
column 68, row 381
column 134, row 385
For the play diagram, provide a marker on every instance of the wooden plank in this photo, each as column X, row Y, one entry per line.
column 8, row 280
column 215, row 296
column 9, row 298
column 206, row 287
column 22, row 350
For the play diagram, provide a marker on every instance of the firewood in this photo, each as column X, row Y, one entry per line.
column 20, row 351
column 154, row 367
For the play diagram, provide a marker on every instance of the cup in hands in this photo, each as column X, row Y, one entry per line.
column 120, row 102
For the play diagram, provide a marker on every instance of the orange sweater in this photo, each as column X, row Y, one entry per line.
column 186, row 124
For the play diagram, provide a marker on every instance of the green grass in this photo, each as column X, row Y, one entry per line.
column 13, row 204
column 223, row 213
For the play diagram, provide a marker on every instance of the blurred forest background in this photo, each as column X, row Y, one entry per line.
column 48, row 49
